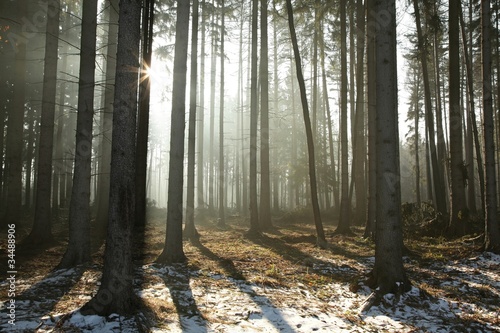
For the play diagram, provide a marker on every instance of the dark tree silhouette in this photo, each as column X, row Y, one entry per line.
column 116, row 295
column 173, row 251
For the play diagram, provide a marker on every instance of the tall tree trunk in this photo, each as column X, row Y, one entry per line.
column 173, row 251
column 222, row 218
column 276, row 183
column 116, row 293
column 329, row 124
column 14, row 139
column 471, row 117
column 441, row 145
column 492, row 227
column 213, row 69
column 458, row 208
column 359, row 130
column 107, row 119
column 143, row 118
column 437, row 176
column 417, row 137
column 189, row 229
column 294, row 180
column 265, row 182
column 239, row 108
column 345, row 205
column 78, row 251
column 254, row 214
column 469, row 142
column 42, row 226
column 29, row 159
column 58, row 180
column 371, row 213
column 321, row 241
column 388, row 274
column 201, row 114
column 314, row 64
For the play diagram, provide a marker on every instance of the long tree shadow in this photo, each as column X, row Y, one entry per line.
column 183, row 299
column 264, row 303
column 339, row 273
column 35, row 304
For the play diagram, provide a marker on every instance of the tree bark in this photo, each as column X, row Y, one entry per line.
column 321, row 240
column 437, row 176
column 213, row 70
column 254, row 214
column 189, row 229
column 389, row 274
column 143, row 117
column 222, row 201
column 458, row 207
column 78, row 251
column 201, row 114
column 345, row 205
column 471, row 123
column 14, row 139
column 265, row 182
column 107, row 119
column 42, row 226
column 492, row 227
column 173, row 251
column 116, row 294
column 371, row 213
column 359, row 130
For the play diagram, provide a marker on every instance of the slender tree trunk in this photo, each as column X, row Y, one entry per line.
column 469, row 142
column 360, row 145
column 314, row 64
column 276, row 185
column 345, row 207
column 173, row 251
column 265, row 182
column 78, row 251
column 329, row 124
column 213, row 69
column 471, row 116
column 222, row 202
column 458, row 208
column 14, row 139
column 29, row 159
column 42, row 226
column 293, row 180
column 371, row 213
column 492, row 227
column 239, row 108
column 107, row 119
column 437, row 176
column 417, row 137
column 116, row 294
column 58, row 196
column 201, row 114
column 143, row 118
column 321, row 241
column 254, row 214
column 189, row 229
column 441, row 145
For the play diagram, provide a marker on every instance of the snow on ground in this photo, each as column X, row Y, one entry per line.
column 199, row 301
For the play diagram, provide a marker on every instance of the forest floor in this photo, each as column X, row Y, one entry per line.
column 281, row 282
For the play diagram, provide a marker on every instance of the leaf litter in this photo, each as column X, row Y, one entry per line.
column 280, row 282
